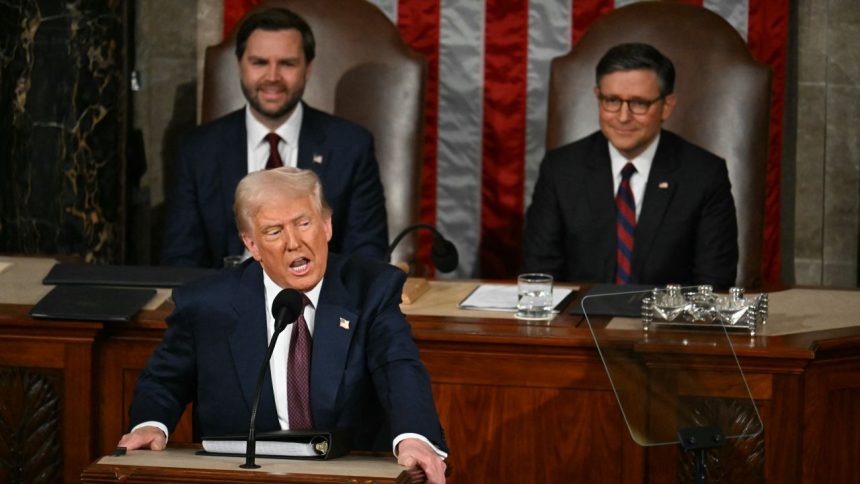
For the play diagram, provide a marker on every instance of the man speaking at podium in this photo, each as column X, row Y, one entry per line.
column 364, row 376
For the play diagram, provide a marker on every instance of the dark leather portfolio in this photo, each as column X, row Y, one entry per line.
column 619, row 304
column 283, row 444
column 92, row 303
column 120, row 275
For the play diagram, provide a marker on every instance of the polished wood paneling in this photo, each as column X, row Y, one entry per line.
column 519, row 402
column 832, row 417
column 63, row 352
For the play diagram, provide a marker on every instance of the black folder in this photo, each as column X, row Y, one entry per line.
column 282, row 444
column 92, row 303
column 619, row 304
column 121, row 275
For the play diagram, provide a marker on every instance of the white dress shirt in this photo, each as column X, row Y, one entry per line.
column 258, row 147
column 280, row 355
column 638, row 180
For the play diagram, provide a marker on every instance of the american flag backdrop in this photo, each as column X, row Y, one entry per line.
column 485, row 113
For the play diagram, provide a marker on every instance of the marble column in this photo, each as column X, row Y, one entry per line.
column 62, row 132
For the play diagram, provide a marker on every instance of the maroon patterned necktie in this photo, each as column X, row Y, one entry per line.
column 274, row 160
column 625, row 224
column 299, row 374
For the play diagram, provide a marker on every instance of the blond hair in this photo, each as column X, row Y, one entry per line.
column 259, row 186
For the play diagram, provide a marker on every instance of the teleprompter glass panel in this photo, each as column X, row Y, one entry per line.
column 669, row 379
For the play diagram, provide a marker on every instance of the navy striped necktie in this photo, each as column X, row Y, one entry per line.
column 625, row 224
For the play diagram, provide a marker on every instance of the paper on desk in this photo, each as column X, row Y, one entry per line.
column 503, row 297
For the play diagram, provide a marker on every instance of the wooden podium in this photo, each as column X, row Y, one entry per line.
column 179, row 465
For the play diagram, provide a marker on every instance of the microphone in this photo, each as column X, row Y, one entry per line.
column 443, row 253
column 286, row 308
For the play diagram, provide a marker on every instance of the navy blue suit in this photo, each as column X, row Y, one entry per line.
column 367, row 379
column 201, row 229
column 686, row 233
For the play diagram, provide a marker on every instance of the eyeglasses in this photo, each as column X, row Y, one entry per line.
column 612, row 104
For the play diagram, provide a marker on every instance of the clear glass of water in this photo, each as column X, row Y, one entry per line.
column 534, row 296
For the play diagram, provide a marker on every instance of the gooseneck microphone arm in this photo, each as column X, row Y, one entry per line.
column 286, row 309
column 443, row 252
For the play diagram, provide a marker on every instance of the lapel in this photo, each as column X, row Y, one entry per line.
column 232, row 162
column 601, row 201
column 312, row 137
column 659, row 191
column 331, row 344
column 248, row 343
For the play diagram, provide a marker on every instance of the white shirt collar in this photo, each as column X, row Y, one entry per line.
column 639, row 180
column 272, row 290
column 642, row 162
column 289, row 131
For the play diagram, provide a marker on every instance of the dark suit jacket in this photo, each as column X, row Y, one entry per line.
column 367, row 378
column 201, row 228
column 686, row 233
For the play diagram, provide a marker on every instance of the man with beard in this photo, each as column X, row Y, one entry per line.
column 275, row 49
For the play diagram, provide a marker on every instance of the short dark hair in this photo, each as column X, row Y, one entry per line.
column 634, row 56
column 272, row 20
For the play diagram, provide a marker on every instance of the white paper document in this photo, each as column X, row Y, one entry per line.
column 264, row 447
column 503, row 297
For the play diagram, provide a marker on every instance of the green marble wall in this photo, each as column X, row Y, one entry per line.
column 62, row 128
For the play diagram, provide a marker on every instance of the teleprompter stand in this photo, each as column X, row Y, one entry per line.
column 667, row 395
column 698, row 440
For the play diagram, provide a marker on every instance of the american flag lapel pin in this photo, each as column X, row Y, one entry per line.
column 344, row 323
column 663, row 185
column 318, row 159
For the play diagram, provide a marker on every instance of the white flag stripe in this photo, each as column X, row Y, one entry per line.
column 458, row 166
column 549, row 37
column 388, row 7
column 736, row 13
column 460, row 104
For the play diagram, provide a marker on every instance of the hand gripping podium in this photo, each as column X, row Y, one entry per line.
column 670, row 396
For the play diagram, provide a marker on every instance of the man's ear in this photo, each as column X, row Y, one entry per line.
column 308, row 71
column 328, row 230
column 668, row 107
column 251, row 246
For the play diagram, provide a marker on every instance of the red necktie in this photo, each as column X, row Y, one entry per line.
column 275, row 160
column 625, row 225
column 299, row 374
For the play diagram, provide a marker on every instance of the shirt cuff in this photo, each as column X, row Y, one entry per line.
column 420, row 437
column 158, row 425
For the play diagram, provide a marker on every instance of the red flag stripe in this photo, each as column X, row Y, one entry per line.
column 233, row 12
column 584, row 13
column 768, row 41
column 503, row 140
column 419, row 25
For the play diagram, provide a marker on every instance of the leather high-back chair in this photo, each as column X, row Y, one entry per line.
column 364, row 72
column 723, row 98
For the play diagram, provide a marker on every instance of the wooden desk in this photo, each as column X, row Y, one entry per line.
column 181, row 465
column 519, row 402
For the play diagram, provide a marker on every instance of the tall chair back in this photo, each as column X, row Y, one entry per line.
column 723, row 99
column 364, row 72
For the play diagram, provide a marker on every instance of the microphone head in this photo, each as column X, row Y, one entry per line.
column 286, row 308
column 444, row 254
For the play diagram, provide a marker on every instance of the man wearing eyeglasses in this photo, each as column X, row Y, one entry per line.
column 633, row 203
